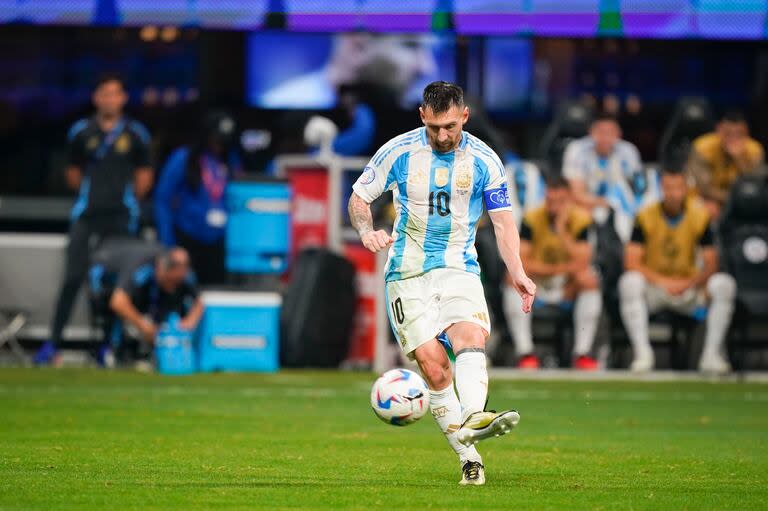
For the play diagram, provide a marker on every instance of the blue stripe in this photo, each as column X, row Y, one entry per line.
column 391, row 146
column 82, row 200
column 438, row 227
column 77, row 128
column 142, row 274
column 130, row 202
column 94, row 276
column 389, row 313
column 142, row 132
column 487, row 151
column 475, row 212
column 401, row 166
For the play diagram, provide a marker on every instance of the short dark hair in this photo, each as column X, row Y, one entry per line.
column 556, row 181
column 672, row 170
column 734, row 116
column 107, row 77
column 441, row 96
column 604, row 117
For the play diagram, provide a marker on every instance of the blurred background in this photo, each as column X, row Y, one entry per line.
column 292, row 98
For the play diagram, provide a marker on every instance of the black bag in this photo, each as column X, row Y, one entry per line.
column 318, row 311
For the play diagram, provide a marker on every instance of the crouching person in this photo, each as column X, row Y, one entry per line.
column 146, row 296
column 557, row 256
column 662, row 273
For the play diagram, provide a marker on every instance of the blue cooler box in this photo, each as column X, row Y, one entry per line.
column 239, row 332
column 258, row 229
column 174, row 351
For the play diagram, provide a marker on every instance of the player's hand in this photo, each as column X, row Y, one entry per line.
column 376, row 240
column 148, row 331
column 525, row 288
column 187, row 323
column 677, row 287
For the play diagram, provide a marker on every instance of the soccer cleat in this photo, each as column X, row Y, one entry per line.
column 585, row 363
column 528, row 362
column 472, row 474
column 642, row 363
column 482, row 425
column 47, row 355
column 714, row 364
column 105, row 357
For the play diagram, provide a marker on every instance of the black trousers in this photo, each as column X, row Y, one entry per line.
column 207, row 259
column 85, row 235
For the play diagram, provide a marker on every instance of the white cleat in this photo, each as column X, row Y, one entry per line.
column 472, row 474
column 714, row 364
column 482, row 425
column 642, row 364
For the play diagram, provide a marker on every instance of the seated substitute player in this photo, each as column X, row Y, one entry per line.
column 148, row 294
column 554, row 249
column 661, row 273
column 440, row 176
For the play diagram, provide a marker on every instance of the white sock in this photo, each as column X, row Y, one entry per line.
column 446, row 410
column 721, row 288
column 518, row 321
column 634, row 312
column 586, row 316
column 471, row 381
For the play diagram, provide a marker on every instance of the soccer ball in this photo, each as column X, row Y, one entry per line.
column 400, row 397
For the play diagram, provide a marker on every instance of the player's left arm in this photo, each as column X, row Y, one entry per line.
column 710, row 262
column 190, row 321
column 508, row 241
column 143, row 175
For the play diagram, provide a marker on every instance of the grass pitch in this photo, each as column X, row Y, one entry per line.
column 84, row 439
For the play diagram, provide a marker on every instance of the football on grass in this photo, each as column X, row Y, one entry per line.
column 400, row 397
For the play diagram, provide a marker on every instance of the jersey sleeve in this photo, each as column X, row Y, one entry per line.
column 495, row 191
column 572, row 166
column 76, row 154
column 142, row 140
column 379, row 175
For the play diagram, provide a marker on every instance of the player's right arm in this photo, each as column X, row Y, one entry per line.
column 122, row 305
column 76, row 157
column 362, row 220
column 378, row 177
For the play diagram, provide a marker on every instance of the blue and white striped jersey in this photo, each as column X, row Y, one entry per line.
column 438, row 199
column 580, row 161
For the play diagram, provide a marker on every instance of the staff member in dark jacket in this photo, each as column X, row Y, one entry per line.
column 109, row 165
column 189, row 199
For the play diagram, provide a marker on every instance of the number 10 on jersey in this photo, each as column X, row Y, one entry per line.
column 441, row 202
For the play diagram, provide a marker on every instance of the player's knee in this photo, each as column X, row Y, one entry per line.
column 466, row 335
column 631, row 285
column 721, row 286
column 587, row 280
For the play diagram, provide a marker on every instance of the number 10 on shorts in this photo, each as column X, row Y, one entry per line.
column 397, row 311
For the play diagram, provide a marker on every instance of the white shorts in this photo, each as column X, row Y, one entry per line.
column 421, row 308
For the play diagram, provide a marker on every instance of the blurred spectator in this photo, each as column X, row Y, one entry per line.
column 189, row 199
column 394, row 61
column 594, row 162
column 146, row 296
column 718, row 158
column 557, row 256
column 661, row 273
column 109, row 165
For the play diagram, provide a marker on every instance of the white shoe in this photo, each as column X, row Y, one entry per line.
column 482, row 425
column 714, row 364
column 472, row 474
column 642, row 363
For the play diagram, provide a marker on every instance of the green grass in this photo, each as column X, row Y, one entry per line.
column 82, row 439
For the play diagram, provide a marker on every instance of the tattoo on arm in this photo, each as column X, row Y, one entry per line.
column 360, row 214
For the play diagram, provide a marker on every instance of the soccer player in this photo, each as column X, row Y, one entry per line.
column 109, row 165
column 555, row 250
column 440, row 177
column 662, row 273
